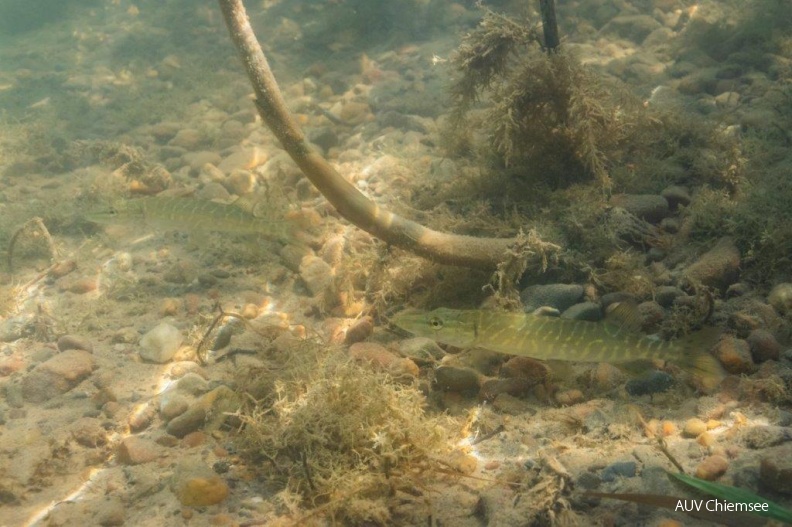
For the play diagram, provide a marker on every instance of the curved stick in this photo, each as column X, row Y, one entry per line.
column 451, row 249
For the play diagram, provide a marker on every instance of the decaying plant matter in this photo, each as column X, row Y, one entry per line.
column 352, row 204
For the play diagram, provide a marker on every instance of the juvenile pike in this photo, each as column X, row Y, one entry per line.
column 188, row 215
column 552, row 338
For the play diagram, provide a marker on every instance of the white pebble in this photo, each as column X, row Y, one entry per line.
column 160, row 344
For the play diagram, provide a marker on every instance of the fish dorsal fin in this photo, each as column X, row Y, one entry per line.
column 624, row 316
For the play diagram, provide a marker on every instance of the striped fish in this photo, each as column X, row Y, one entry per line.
column 184, row 214
column 552, row 338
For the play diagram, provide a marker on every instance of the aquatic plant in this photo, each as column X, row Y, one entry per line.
column 546, row 114
column 338, row 436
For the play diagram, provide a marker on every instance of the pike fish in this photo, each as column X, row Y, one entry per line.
column 190, row 215
column 552, row 338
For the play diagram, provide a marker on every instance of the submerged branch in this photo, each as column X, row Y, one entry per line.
column 353, row 205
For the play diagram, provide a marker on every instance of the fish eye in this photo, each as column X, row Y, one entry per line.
column 436, row 323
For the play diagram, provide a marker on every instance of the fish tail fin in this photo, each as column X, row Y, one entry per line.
column 699, row 362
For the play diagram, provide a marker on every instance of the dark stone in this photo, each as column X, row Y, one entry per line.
column 764, row 346
column 324, row 137
column 655, row 382
column 666, row 295
column 455, row 379
column 590, row 311
column 559, row 296
column 648, row 207
column 624, row 469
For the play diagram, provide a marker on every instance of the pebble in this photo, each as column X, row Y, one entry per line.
column 655, row 382
column 192, row 383
column 421, row 349
column 510, row 405
column 517, row 387
column 719, row 267
column 83, row 285
column 589, row 311
column 105, row 511
column 648, row 207
column 780, row 297
column 245, row 159
column 88, row 432
column 173, row 406
column 761, row 437
column 316, row 273
column 62, row 269
column 360, row 330
column 194, row 439
column 57, row 375
column 214, row 191
column 187, row 138
column 665, row 295
column 355, row 112
column 161, row 343
column 195, row 485
column 383, row 359
column 569, row 397
column 735, row 355
column 209, row 412
column 164, row 130
column 623, row 469
column 240, row 182
column 652, row 315
column 134, row 450
column 632, row 27
column 197, row 160
column 775, row 471
column 457, row 379
column 728, row 99
column 72, row 342
column 325, row 137
column 712, row 468
column 676, row 195
column 738, row 289
column 169, row 307
column 694, row 427
column 763, row 345
column 526, row 368
column 559, row 296
column 607, row 376
column 706, row 439
column 140, row 418
column 13, row 328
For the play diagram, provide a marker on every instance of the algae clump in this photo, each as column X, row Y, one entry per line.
column 339, row 437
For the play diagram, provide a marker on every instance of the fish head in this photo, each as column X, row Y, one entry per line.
column 449, row 326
